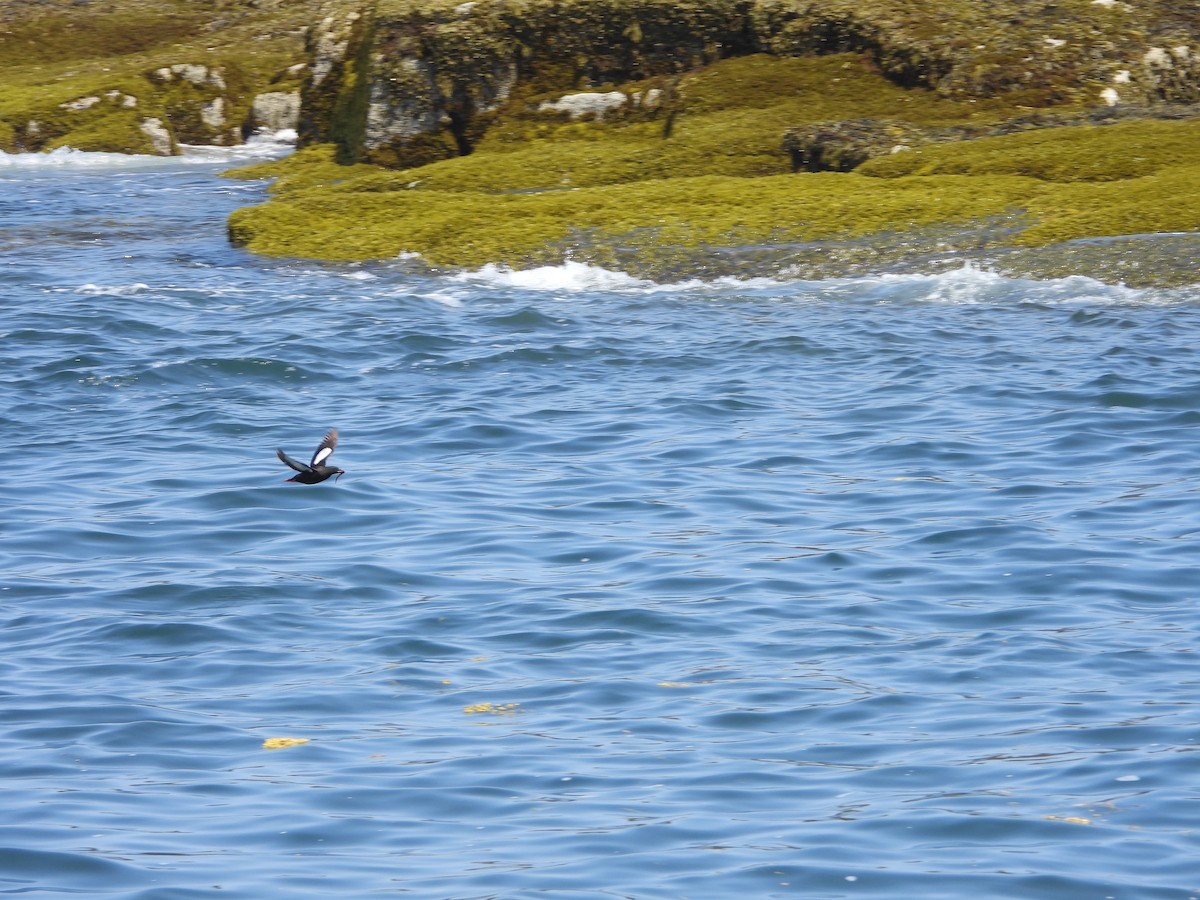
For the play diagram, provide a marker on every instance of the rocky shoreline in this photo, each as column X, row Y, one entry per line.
column 695, row 137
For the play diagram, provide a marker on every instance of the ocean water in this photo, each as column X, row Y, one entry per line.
column 882, row 587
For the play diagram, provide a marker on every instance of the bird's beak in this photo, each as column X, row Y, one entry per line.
column 338, row 475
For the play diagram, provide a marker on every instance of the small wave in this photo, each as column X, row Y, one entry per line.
column 972, row 284
column 115, row 290
column 68, row 157
column 257, row 147
column 577, row 276
column 968, row 284
column 570, row 276
column 445, row 298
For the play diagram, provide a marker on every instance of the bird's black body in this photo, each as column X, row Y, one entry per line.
column 316, row 471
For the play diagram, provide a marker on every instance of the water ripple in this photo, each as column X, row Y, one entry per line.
column 874, row 587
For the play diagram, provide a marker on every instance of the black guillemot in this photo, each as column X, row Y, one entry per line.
column 316, row 471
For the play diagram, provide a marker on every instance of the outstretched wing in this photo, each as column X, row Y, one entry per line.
column 288, row 461
column 326, row 449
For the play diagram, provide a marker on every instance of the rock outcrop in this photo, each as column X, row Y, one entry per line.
column 665, row 137
column 145, row 76
column 405, row 82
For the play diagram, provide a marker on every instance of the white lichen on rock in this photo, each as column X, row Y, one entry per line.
column 329, row 45
column 160, row 137
column 213, row 114
column 275, row 111
column 193, row 73
column 590, row 103
column 80, row 104
column 651, row 99
column 1171, row 74
column 1157, row 57
column 399, row 107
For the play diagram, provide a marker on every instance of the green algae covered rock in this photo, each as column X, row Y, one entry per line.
column 140, row 76
column 737, row 136
column 684, row 224
column 666, row 138
column 402, row 82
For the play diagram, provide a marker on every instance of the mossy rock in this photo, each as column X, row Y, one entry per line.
column 440, row 67
column 67, row 33
column 454, row 214
column 55, row 54
column 1082, row 153
column 119, row 131
column 474, row 170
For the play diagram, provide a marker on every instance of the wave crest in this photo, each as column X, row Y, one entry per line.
column 569, row 276
column 260, row 146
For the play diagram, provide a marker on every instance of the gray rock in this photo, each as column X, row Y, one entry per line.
column 275, row 111
column 160, row 137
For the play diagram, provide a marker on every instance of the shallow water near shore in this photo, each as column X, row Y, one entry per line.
column 878, row 587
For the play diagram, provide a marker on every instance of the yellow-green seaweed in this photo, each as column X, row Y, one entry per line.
column 620, row 193
column 55, row 54
column 696, row 180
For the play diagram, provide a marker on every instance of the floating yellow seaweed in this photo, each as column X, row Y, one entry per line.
column 280, row 743
column 1073, row 820
column 495, row 709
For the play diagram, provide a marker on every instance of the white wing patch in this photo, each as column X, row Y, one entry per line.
column 326, row 448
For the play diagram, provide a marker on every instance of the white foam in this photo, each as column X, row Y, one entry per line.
column 577, row 276
column 727, row 283
column 257, row 147
column 570, row 276
column 67, row 157
column 969, row 284
column 115, row 290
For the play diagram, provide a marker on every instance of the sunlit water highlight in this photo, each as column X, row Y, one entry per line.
column 881, row 587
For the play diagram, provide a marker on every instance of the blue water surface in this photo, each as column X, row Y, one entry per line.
column 872, row 588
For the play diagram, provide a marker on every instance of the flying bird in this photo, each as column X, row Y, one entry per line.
column 316, row 471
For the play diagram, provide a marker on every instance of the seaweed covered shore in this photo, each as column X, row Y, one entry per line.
column 706, row 137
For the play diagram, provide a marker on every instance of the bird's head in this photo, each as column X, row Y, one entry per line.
column 338, row 473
